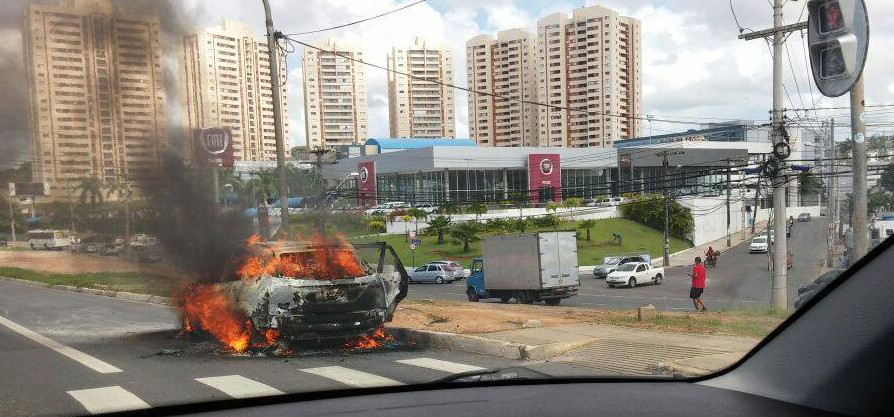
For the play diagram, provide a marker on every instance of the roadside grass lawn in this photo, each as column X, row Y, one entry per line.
column 637, row 238
column 116, row 281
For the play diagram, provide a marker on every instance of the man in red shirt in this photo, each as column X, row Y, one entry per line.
column 698, row 285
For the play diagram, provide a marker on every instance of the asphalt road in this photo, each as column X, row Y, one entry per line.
column 64, row 353
column 740, row 280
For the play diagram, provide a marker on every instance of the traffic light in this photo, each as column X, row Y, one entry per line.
column 838, row 38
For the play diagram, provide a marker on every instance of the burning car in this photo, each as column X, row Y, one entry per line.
column 313, row 290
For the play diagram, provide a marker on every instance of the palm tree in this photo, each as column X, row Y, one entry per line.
column 451, row 207
column 268, row 183
column 478, row 208
column 553, row 206
column 465, row 232
column 440, row 223
column 570, row 203
column 406, row 219
column 91, row 189
column 587, row 224
column 417, row 213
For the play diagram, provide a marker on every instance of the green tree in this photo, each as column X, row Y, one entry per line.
column 466, row 233
column 810, row 184
column 440, row 223
column 587, row 225
column 478, row 208
column 553, row 206
column 886, row 180
column 570, row 203
column 451, row 207
column 844, row 149
column 879, row 201
column 268, row 183
column 91, row 190
column 297, row 151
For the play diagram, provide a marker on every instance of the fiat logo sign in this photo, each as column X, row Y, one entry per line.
column 364, row 174
column 215, row 141
column 546, row 167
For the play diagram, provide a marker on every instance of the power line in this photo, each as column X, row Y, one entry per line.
column 355, row 22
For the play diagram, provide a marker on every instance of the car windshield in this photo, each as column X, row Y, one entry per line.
column 196, row 206
column 627, row 267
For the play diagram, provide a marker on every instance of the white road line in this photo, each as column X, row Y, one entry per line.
column 238, row 386
column 72, row 353
column 440, row 365
column 108, row 399
column 351, row 377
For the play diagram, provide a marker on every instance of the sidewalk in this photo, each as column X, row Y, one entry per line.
column 604, row 349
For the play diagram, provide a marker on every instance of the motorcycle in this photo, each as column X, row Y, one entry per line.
column 712, row 260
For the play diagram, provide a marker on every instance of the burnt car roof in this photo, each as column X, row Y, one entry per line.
column 290, row 246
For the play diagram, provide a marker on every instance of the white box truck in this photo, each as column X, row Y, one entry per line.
column 529, row 267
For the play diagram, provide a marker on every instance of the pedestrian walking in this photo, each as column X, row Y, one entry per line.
column 698, row 285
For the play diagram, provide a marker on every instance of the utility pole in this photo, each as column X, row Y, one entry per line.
column 729, row 182
column 277, row 116
column 858, row 136
column 779, row 296
column 664, row 155
column 12, row 221
column 833, row 195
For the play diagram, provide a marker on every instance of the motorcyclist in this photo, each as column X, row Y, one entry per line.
column 711, row 255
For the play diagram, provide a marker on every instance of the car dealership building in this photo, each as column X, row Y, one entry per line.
column 437, row 172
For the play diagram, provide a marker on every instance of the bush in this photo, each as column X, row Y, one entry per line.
column 649, row 210
column 549, row 220
column 498, row 225
column 376, row 226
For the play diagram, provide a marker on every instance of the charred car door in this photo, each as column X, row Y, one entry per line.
column 384, row 261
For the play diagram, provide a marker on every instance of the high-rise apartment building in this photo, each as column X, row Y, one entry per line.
column 590, row 64
column 335, row 104
column 225, row 82
column 420, row 105
column 503, row 72
column 96, row 79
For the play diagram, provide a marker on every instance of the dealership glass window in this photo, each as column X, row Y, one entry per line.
column 584, row 183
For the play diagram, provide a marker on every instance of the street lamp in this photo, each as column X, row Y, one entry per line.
column 329, row 194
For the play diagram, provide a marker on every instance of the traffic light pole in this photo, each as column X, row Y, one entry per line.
column 858, row 136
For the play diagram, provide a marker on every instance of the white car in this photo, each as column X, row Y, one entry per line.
column 458, row 271
column 632, row 274
column 759, row 245
column 385, row 208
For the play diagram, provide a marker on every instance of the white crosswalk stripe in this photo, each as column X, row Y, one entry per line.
column 108, row 399
column 354, row 378
column 439, row 365
column 238, row 386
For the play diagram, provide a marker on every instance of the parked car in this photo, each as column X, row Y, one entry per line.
column 437, row 273
column 458, row 271
column 758, row 245
column 804, row 217
column 634, row 273
column 113, row 249
column 428, row 208
column 612, row 263
column 385, row 208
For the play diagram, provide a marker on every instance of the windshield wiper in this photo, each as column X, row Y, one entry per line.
column 495, row 374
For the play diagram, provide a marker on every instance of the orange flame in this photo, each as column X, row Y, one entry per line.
column 209, row 309
column 325, row 259
column 371, row 341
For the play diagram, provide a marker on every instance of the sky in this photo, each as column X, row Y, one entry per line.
column 695, row 69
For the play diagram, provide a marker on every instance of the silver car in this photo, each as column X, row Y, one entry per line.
column 458, row 271
column 432, row 272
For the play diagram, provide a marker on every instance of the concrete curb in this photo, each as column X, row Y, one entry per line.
column 485, row 346
column 146, row 298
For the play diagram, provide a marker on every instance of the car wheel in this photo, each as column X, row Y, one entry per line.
column 505, row 299
column 611, row 285
column 472, row 296
column 632, row 282
column 439, row 280
column 523, row 298
column 658, row 279
column 552, row 301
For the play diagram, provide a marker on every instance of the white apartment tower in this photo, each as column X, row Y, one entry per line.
column 225, row 82
column 502, row 76
column 335, row 103
column 418, row 107
column 590, row 64
column 96, row 79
